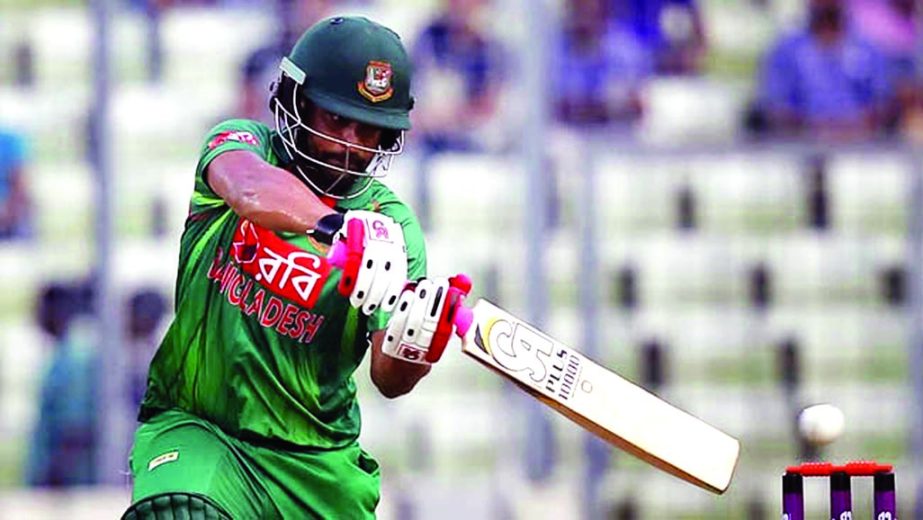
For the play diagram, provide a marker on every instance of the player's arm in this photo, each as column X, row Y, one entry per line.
column 393, row 376
column 268, row 196
column 274, row 199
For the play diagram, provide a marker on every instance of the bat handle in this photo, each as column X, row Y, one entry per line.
column 463, row 315
column 463, row 320
column 347, row 255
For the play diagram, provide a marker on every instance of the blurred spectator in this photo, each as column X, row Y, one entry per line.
column 671, row 29
column 893, row 26
column 458, row 66
column 261, row 67
column 259, row 70
column 15, row 215
column 63, row 442
column 24, row 59
column 824, row 80
column 599, row 67
column 146, row 309
column 908, row 121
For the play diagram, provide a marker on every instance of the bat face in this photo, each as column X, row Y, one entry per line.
column 611, row 407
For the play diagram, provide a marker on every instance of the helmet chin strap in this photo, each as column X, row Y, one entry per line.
column 288, row 125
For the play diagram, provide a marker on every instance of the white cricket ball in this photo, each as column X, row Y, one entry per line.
column 821, row 424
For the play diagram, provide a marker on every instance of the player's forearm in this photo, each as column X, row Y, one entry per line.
column 269, row 197
column 392, row 376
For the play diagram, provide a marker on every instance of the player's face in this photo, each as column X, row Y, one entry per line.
column 344, row 129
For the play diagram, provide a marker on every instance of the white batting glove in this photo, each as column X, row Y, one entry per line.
column 376, row 260
column 412, row 326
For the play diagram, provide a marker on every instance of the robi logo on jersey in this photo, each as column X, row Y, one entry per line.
column 271, row 281
column 282, row 268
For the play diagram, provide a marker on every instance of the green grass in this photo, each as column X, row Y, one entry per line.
column 757, row 221
column 884, row 447
column 12, row 456
column 885, row 221
column 730, row 65
column 748, row 372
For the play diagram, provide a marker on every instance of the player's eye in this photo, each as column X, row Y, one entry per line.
column 336, row 121
column 369, row 133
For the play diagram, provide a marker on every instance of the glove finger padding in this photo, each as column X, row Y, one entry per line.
column 392, row 345
column 394, row 290
column 410, row 331
column 371, row 280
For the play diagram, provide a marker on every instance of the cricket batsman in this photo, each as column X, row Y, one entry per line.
column 250, row 409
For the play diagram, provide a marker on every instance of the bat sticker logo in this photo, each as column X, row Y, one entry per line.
column 517, row 348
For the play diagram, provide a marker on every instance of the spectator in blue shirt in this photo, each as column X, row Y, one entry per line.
column 825, row 79
column 459, row 65
column 146, row 310
column 14, row 200
column 672, row 30
column 599, row 68
column 64, row 438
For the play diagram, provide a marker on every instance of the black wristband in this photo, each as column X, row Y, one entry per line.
column 327, row 227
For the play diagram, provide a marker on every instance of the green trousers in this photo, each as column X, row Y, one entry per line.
column 179, row 452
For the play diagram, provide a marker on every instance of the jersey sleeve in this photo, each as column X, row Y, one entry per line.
column 233, row 134
column 416, row 256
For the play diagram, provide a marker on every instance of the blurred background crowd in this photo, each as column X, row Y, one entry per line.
column 747, row 171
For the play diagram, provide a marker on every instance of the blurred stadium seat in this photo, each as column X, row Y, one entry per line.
column 870, row 193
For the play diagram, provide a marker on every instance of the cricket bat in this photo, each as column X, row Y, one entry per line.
column 599, row 400
column 607, row 405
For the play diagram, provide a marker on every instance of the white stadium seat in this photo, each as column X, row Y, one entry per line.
column 736, row 193
column 870, row 192
column 476, row 194
column 636, row 194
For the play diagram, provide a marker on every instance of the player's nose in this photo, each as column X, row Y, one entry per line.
column 358, row 133
column 350, row 132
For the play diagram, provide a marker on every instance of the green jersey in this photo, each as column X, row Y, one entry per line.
column 262, row 344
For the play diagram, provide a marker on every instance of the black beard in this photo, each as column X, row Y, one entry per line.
column 327, row 180
column 333, row 181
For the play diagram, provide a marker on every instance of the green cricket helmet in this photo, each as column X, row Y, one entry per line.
column 355, row 68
